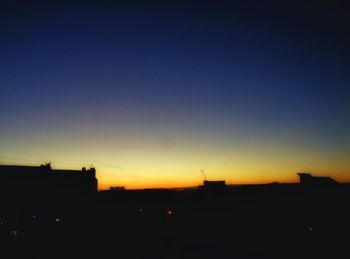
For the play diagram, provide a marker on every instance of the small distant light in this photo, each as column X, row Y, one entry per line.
column 2, row 222
column 57, row 220
column 170, row 212
column 310, row 229
column 140, row 210
column 34, row 217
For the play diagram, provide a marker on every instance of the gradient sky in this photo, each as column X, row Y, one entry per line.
column 152, row 94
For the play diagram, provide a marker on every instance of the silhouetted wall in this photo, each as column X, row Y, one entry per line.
column 38, row 184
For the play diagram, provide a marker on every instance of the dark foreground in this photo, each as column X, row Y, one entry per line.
column 272, row 221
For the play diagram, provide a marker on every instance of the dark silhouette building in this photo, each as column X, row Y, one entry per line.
column 117, row 188
column 32, row 182
column 213, row 185
column 308, row 180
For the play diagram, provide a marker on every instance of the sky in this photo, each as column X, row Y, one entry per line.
column 151, row 94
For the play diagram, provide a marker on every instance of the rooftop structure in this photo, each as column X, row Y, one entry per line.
column 213, row 185
column 307, row 179
column 27, row 180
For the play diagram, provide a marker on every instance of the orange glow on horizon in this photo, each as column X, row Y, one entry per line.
column 140, row 161
column 189, row 182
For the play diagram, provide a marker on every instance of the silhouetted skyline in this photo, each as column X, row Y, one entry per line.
column 151, row 94
column 45, row 212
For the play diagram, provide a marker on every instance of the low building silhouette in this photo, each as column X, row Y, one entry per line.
column 308, row 180
column 213, row 185
column 37, row 183
column 117, row 188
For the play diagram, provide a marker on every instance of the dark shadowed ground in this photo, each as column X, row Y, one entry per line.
column 271, row 221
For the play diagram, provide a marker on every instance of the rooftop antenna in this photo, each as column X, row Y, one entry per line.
column 48, row 164
column 205, row 178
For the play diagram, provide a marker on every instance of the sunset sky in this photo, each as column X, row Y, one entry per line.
column 151, row 94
